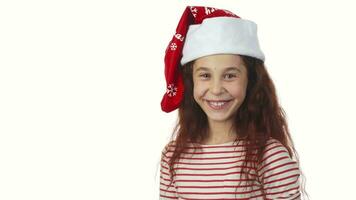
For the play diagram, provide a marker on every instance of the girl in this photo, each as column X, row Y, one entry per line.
column 232, row 139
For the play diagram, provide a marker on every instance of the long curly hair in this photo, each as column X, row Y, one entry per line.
column 259, row 117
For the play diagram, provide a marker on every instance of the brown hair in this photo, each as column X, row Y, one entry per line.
column 259, row 117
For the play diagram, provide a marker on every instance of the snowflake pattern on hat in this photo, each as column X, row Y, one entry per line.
column 173, row 46
column 171, row 90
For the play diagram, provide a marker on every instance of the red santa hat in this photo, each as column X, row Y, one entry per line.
column 204, row 31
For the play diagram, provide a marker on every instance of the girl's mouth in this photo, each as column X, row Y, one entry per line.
column 218, row 105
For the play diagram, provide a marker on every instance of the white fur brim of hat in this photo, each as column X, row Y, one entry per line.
column 221, row 35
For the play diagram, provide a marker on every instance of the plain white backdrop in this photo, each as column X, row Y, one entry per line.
column 81, row 84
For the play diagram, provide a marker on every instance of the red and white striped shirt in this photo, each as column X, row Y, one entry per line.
column 214, row 173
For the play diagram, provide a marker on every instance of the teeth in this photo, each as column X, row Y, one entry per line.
column 217, row 103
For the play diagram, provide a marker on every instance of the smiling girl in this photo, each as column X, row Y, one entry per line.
column 220, row 83
column 231, row 140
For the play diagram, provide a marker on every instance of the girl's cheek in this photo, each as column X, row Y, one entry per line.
column 200, row 88
column 237, row 89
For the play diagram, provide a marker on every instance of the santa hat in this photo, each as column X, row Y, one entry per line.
column 204, row 31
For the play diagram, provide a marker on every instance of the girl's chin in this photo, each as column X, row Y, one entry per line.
column 218, row 119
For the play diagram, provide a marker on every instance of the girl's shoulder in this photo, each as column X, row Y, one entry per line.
column 273, row 142
column 169, row 147
column 274, row 147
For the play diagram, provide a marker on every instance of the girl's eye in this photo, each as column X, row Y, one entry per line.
column 204, row 75
column 231, row 75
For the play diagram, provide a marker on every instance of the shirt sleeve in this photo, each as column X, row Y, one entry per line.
column 278, row 173
column 167, row 191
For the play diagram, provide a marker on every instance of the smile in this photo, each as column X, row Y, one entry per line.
column 218, row 105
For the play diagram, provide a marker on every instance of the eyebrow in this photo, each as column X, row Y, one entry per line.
column 227, row 69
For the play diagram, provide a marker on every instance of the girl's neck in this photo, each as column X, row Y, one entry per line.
column 219, row 133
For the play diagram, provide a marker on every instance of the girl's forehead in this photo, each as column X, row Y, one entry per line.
column 227, row 68
column 220, row 62
column 216, row 68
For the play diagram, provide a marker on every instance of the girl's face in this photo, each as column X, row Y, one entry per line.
column 220, row 83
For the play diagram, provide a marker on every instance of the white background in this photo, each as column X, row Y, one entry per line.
column 81, row 84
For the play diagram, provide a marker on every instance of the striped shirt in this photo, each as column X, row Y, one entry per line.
column 214, row 173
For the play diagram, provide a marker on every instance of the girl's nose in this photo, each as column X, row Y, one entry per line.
column 216, row 87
